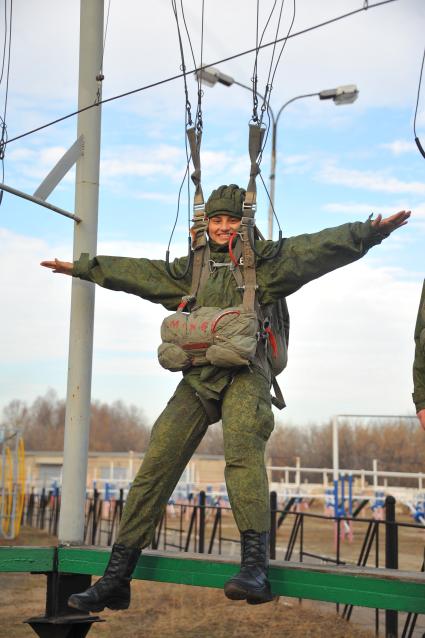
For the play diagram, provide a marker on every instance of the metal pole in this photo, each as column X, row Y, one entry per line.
column 77, row 420
column 40, row 202
column 275, row 121
column 273, row 526
column 375, row 473
column 201, row 541
column 335, row 449
column 391, row 561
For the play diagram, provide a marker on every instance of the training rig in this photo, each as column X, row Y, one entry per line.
column 69, row 567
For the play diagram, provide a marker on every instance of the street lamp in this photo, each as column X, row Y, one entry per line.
column 346, row 94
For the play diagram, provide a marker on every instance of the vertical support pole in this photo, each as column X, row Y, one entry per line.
column 201, row 542
column 375, row 473
column 298, row 473
column 350, row 495
column 391, row 561
column 336, row 498
column 335, row 448
column 130, row 466
column 77, row 419
column 3, row 485
column 273, row 514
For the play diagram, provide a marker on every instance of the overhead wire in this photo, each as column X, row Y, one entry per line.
column 105, row 33
column 284, row 44
column 4, row 43
column 188, row 105
column 273, row 66
column 198, row 69
column 254, row 78
column 188, row 112
column 266, row 103
column 188, row 155
column 100, row 76
column 268, row 113
column 199, row 122
column 266, row 98
column 188, row 122
column 417, row 140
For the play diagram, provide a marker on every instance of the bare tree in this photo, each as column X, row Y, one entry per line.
column 115, row 427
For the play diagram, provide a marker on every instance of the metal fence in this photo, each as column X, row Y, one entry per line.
column 202, row 525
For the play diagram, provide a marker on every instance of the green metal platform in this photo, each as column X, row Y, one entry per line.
column 377, row 588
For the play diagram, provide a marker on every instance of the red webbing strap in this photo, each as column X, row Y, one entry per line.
column 200, row 224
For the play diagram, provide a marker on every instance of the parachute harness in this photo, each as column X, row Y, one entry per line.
column 242, row 250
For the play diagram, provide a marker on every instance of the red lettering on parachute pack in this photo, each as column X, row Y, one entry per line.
column 204, row 326
column 175, row 323
column 192, row 327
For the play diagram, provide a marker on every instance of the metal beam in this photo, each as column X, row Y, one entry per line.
column 59, row 171
column 40, row 202
column 360, row 586
column 26, row 559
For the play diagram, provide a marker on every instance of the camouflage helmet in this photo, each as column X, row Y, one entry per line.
column 227, row 200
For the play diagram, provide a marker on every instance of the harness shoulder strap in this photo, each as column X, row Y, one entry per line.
column 199, row 222
column 256, row 135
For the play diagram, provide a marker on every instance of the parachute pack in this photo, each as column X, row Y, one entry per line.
column 231, row 337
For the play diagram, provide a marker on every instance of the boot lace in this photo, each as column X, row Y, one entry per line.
column 254, row 551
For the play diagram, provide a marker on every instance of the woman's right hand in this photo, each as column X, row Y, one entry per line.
column 63, row 267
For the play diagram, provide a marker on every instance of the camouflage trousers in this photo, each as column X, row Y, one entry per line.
column 247, row 421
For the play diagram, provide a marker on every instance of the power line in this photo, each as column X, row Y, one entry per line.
column 197, row 70
column 418, row 143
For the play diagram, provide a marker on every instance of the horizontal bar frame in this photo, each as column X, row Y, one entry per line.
column 40, row 202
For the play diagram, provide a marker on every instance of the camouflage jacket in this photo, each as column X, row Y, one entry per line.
column 419, row 363
column 302, row 259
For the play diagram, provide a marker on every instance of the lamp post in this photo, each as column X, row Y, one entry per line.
column 346, row 94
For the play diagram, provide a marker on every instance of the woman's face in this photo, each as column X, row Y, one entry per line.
column 221, row 226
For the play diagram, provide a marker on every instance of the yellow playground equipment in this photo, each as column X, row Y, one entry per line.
column 12, row 482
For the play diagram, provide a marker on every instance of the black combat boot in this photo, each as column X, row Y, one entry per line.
column 251, row 583
column 113, row 589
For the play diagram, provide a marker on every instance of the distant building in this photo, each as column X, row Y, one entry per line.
column 117, row 469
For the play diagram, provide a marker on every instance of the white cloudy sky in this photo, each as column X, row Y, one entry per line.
column 352, row 332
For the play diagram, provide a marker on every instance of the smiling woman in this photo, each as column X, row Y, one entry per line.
column 235, row 390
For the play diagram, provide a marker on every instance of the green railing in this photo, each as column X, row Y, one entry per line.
column 376, row 588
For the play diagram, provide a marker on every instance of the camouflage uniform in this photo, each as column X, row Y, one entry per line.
column 419, row 363
column 242, row 396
